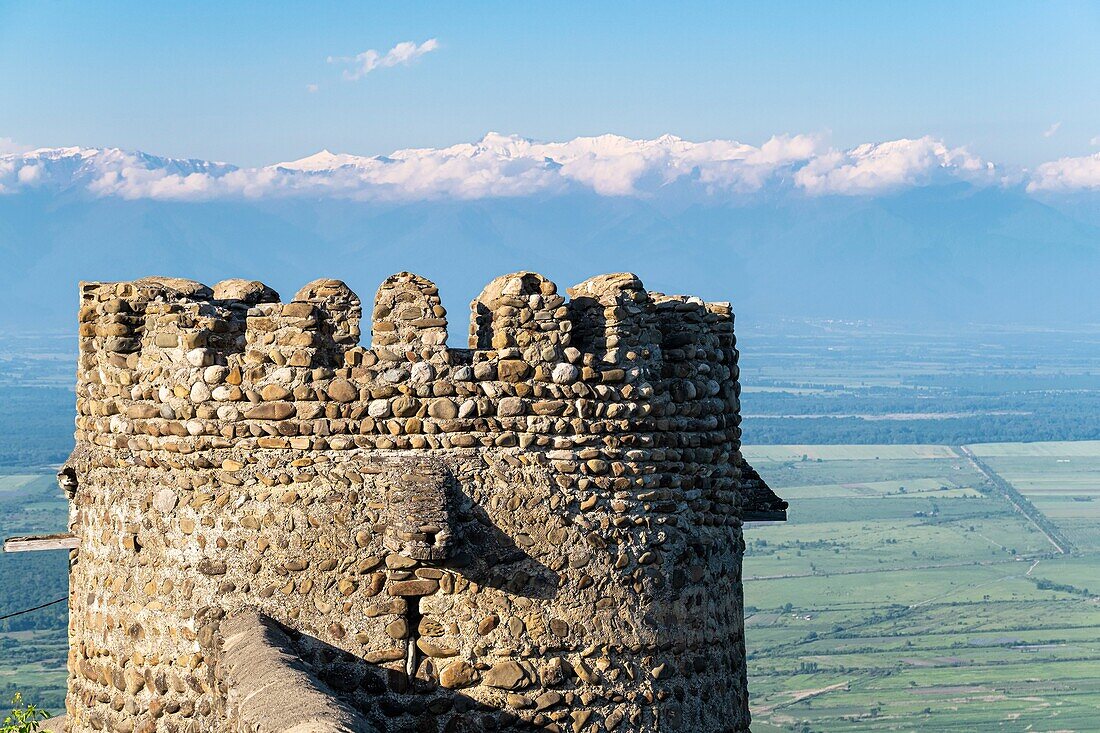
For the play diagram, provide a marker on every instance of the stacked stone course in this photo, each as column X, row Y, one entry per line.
column 540, row 532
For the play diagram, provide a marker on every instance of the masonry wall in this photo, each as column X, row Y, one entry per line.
column 541, row 532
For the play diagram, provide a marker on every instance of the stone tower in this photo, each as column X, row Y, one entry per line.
column 282, row 530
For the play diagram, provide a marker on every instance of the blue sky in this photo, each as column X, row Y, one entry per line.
column 231, row 81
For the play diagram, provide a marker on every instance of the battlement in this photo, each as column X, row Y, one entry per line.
column 542, row 531
column 610, row 320
column 165, row 357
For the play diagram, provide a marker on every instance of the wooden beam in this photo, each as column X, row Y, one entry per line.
column 39, row 542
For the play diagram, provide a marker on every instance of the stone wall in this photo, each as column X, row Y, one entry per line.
column 271, row 690
column 542, row 532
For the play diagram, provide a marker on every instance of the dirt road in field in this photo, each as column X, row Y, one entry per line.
column 1019, row 501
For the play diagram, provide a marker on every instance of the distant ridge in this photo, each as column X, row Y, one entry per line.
column 510, row 165
column 913, row 230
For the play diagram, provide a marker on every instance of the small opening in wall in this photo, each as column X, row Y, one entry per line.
column 412, row 652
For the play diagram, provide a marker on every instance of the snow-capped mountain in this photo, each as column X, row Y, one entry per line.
column 612, row 165
column 508, row 166
column 909, row 229
column 100, row 171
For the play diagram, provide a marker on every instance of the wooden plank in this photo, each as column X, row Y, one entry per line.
column 39, row 542
column 766, row 516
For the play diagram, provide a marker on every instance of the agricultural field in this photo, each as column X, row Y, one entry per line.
column 842, row 382
column 33, row 646
column 1062, row 480
column 907, row 592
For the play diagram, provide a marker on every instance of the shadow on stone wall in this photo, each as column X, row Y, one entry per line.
column 431, row 517
column 488, row 556
column 364, row 697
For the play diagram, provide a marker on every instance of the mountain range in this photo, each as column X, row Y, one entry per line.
column 909, row 230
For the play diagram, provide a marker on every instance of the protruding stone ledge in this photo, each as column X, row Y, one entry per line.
column 271, row 690
column 760, row 503
column 54, row 725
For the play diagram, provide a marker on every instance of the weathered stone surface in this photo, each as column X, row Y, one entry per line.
column 510, row 407
column 405, row 406
column 436, row 651
column 565, row 373
column 443, row 409
column 270, row 411
column 55, row 725
column 487, row 624
column 165, row 500
column 457, row 675
column 273, row 392
column 549, row 522
column 547, row 700
column 271, row 690
column 342, row 390
column 413, row 587
column 512, row 370
column 211, row 567
column 506, row 676
column 248, row 291
column 397, row 629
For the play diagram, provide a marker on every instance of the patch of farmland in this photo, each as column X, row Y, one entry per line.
column 1080, row 448
column 781, row 474
column 11, row 484
column 1062, row 480
column 925, row 610
column 849, row 452
column 935, row 487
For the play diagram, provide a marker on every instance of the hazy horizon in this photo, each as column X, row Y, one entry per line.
column 901, row 202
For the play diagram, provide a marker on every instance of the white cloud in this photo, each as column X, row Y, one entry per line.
column 609, row 165
column 612, row 165
column 8, row 146
column 312, row 88
column 503, row 165
column 877, row 167
column 402, row 54
column 1052, row 130
column 29, row 174
column 1067, row 174
column 1095, row 140
column 113, row 172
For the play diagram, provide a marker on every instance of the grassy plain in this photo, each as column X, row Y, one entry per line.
column 836, row 382
column 905, row 593
column 33, row 646
column 1062, row 480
